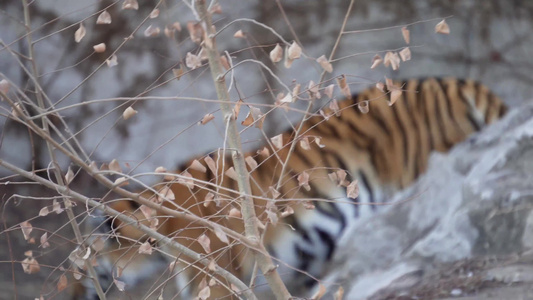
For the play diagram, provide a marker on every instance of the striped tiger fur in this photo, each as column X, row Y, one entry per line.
column 385, row 150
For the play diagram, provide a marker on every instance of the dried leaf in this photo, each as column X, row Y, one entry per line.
column 376, row 61
column 363, row 107
column 287, row 98
column 235, row 213
column 146, row 248
column 352, row 190
column 30, row 265
column 186, row 179
column 177, row 26
column 4, row 86
column 192, row 61
column 121, row 181
column 62, row 283
column 287, row 212
column 380, row 86
column 392, row 59
column 112, row 61
column 334, row 106
column 80, row 33
column 115, row 166
column 196, row 31
column 211, row 164
column 196, row 165
column 208, row 199
column 221, row 234
column 276, row 54
column 254, row 117
column 303, row 181
column 160, row 169
column 325, row 64
column 130, row 4
column 294, row 51
column 205, row 242
column 329, row 91
column 206, row 119
column 277, row 141
column 442, row 27
column 232, row 174
column 339, row 294
column 155, row 13
column 26, row 229
column 152, row 31
column 344, row 87
column 264, row 152
column 178, row 72
column 394, row 96
column 121, row 286
column 235, row 288
column 104, row 18
column 99, row 48
column 44, row 240
column 204, row 293
column 224, row 62
column 317, row 141
column 320, row 293
column 76, row 274
column 237, row 108
column 69, row 176
column 98, row 244
column 213, row 267
column 129, row 112
column 44, row 211
column 405, row 54
column 304, row 143
column 56, row 207
column 272, row 217
column 239, row 34
column 406, row 35
column 274, row 192
column 313, row 90
column 250, row 161
column 147, row 212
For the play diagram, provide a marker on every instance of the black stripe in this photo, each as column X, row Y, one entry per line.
column 364, row 181
column 327, row 240
column 305, row 257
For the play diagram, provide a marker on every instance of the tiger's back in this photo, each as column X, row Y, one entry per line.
column 384, row 150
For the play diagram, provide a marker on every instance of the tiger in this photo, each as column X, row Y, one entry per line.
column 307, row 204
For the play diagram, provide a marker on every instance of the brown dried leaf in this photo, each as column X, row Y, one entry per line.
column 212, row 266
column 115, row 166
column 80, row 33
column 99, row 48
column 235, row 213
column 155, row 13
column 147, row 211
column 28, row 253
column 442, row 27
column 394, row 96
column 44, row 211
column 121, row 286
column 104, row 18
column 317, row 142
column 211, row 164
column 277, row 141
column 232, row 174
column 4, row 86
column 352, row 190
column 146, row 248
column 254, row 117
column 344, row 87
column 363, row 107
column 121, row 181
column 304, row 143
column 224, row 62
column 112, row 61
column 303, row 181
column 287, row 212
column 130, row 4
column 272, row 217
column 206, row 119
column 205, row 242
column 238, row 34
column 406, row 35
column 129, row 112
column 325, row 64
column 237, row 108
column 294, row 52
column 204, row 293
column 390, row 84
column 44, row 240
column 196, row 31
column 380, row 86
column 178, row 72
column 30, row 265
column 56, row 207
column 405, row 54
column 152, row 31
column 392, row 59
column 221, row 234
column 334, row 106
column 264, row 152
column 69, row 176
column 250, row 161
column 329, row 91
column 276, row 54
column 376, row 61
column 208, row 199
column 26, row 229
column 339, row 294
column 187, row 181
column 192, row 61
column 62, row 283
column 320, row 293
column 196, row 165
